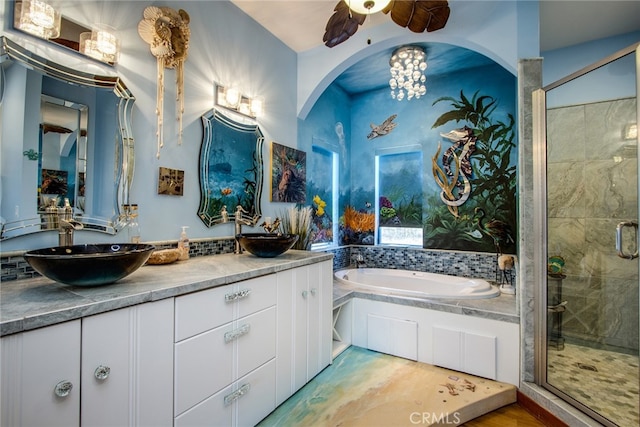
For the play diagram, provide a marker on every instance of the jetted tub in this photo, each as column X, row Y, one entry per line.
column 417, row 283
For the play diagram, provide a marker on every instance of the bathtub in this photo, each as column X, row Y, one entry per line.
column 417, row 283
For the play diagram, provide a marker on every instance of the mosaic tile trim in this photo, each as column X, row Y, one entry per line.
column 466, row 264
column 16, row 268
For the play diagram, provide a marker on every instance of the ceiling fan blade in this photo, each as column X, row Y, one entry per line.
column 343, row 24
column 419, row 15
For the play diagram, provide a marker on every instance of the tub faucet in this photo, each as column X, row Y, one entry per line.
column 359, row 260
column 239, row 222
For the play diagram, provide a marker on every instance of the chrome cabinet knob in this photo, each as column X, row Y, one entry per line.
column 63, row 388
column 102, row 372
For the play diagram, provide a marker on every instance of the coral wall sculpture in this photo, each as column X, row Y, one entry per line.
column 167, row 33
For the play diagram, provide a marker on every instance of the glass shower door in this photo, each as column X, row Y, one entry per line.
column 592, row 318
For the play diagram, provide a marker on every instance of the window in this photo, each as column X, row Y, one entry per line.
column 323, row 191
column 399, row 198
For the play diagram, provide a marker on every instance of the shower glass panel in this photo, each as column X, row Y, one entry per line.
column 592, row 278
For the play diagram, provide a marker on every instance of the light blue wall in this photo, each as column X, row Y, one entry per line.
column 226, row 46
column 615, row 81
column 229, row 47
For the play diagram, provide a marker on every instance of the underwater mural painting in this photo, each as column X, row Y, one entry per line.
column 437, row 172
column 476, row 209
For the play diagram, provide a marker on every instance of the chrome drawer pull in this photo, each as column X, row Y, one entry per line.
column 230, row 398
column 102, row 372
column 237, row 295
column 237, row 333
column 63, row 388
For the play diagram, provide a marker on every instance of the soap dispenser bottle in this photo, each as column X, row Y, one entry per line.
column 183, row 244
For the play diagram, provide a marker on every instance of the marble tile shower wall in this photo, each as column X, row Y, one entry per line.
column 592, row 186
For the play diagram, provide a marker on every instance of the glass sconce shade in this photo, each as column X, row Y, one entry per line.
column 38, row 18
column 100, row 43
column 232, row 99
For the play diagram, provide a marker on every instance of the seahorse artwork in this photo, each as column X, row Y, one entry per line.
column 465, row 141
column 167, row 33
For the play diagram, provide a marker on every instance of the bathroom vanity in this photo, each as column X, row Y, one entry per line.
column 225, row 337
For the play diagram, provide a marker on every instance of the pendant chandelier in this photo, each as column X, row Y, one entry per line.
column 408, row 64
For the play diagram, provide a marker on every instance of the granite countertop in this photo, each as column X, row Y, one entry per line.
column 503, row 308
column 34, row 303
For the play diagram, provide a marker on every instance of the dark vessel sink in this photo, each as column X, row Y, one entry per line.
column 266, row 245
column 89, row 265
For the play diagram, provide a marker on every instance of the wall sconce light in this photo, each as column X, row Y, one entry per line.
column 231, row 99
column 101, row 43
column 37, row 18
column 630, row 131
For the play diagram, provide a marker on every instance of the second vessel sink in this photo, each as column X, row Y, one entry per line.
column 266, row 245
column 89, row 265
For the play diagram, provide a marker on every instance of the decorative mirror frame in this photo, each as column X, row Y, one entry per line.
column 216, row 204
column 124, row 156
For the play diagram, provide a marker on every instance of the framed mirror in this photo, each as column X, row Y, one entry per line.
column 230, row 170
column 66, row 135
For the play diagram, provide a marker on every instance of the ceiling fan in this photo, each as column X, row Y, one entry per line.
column 416, row 15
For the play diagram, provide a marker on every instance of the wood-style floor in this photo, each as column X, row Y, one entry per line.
column 512, row 415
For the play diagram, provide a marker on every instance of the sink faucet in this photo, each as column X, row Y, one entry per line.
column 67, row 225
column 65, row 231
column 239, row 222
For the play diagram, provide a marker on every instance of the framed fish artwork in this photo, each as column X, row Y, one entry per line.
column 288, row 174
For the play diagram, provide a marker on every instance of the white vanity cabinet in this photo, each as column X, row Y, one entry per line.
column 35, row 366
column 225, row 354
column 127, row 366
column 305, row 299
column 110, row 369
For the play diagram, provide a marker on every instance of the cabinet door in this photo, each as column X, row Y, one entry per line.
column 284, row 333
column 127, row 366
column 320, row 317
column 300, row 326
column 32, row 364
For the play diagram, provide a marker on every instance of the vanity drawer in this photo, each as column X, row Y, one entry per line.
column 243, row 403
column 206, row 363
column 262, row 294
column 203, row 365
column 201, row 311
column 259, row 344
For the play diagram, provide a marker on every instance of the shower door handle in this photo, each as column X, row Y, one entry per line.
column 619, row 228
